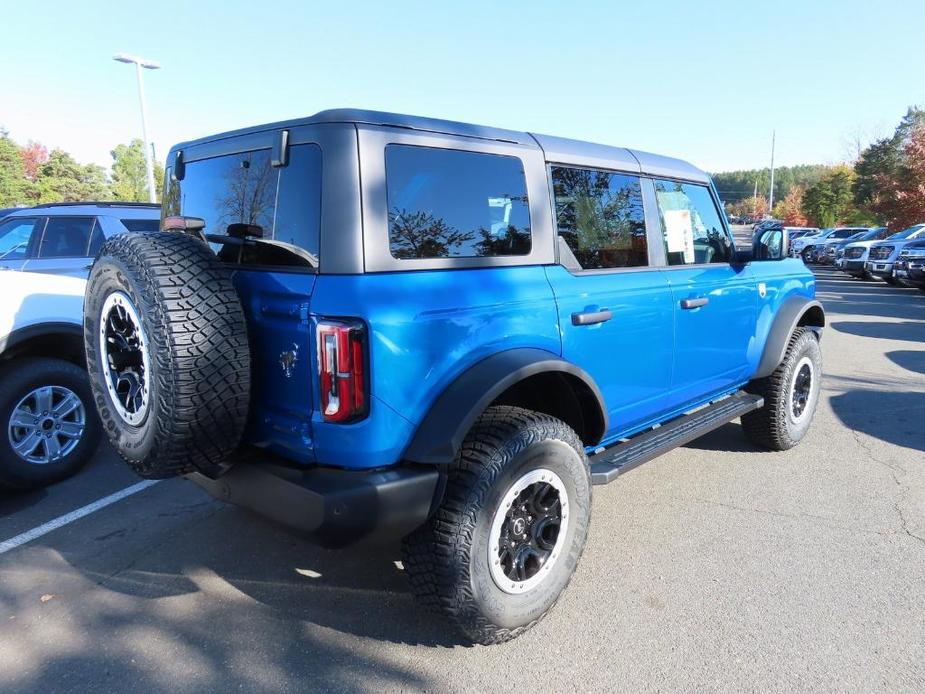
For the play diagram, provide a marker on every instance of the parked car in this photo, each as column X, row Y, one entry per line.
column 447, row 348
column 828, row 252
column 48, row 426
column 63, row 238
column 909, row 268
column 807, row 247
column 883, row 254
column 793, row 232
column 799, row 232
column 850, row 255
column 4, row 211
column 766, row 224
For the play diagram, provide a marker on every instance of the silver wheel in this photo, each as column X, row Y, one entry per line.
column 528, row 531
column 47, row 424
column 800, row 392
column 124, row 356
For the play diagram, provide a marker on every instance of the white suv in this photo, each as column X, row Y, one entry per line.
column 48, row 426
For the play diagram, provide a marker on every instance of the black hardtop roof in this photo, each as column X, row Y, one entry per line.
column 556, row 148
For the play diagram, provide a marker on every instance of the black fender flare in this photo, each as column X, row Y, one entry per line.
column 455, row 410
column 794, row 312
column 28, row 332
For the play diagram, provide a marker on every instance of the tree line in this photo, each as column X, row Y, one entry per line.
column 886, row 185
column 31, row 175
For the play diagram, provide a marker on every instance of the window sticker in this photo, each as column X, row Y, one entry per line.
column 679, row 233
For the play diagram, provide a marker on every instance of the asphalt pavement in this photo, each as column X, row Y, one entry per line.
column 718, row 567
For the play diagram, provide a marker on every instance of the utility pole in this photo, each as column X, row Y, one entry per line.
column 771, row 193
column 755, row 200
column 149, row 163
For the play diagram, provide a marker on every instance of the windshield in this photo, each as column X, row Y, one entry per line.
column 909, row 233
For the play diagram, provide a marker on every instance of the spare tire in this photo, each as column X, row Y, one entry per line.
column 167, row 354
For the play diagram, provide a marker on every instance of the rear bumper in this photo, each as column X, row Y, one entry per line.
column 331, row 507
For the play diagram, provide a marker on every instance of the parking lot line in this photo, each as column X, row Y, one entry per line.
column 61, row 521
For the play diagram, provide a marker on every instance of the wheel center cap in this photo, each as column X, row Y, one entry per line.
column 519, row 526
column 48, row 424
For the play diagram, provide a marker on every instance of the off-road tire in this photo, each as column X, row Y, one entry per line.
column 447, row 559
column 199, row 385
column 18, row 378
column 773, row 426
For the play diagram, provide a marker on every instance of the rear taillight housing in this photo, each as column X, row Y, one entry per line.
column 342, row 370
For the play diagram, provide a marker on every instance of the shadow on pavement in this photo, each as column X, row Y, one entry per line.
column 729, row 438
column 912, row 331
column 359, row 590
column 845, row 295
column 909, row 359
column 219, row 598
column 12, row 500
column 893, row 417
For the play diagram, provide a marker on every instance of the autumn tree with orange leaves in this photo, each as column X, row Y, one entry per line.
column 790, row 209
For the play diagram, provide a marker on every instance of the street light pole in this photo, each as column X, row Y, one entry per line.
column 150, row 65
column 771, row 194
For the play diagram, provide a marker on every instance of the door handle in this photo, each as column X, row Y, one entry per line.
column 694, row 303
column 592, row 317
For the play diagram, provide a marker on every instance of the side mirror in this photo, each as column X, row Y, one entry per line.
column 771, row 244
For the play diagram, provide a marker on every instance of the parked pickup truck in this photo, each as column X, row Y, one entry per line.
column 370, row 326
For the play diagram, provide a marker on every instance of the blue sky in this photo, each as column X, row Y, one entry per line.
column 706, row 81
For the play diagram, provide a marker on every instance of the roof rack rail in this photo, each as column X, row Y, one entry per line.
column 97, row 203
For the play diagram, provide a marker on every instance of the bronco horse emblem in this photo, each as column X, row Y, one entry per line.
column 288, row 359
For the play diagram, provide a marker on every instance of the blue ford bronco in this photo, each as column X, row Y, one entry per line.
column 368, row 326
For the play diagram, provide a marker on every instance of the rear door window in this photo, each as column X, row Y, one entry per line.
column 285, row 202
column 446, row 203
column 691, row 224
column 600, row 216
column 67, row 237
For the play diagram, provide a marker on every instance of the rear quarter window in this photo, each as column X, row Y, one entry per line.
column 445, row 203
column 142, row 225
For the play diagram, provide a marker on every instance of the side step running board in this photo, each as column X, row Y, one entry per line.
column 610, row 463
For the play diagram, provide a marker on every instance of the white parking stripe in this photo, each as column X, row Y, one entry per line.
column 60, row 521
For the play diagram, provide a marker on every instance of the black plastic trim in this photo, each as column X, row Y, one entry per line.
column 788, row 318
column 610, row 463
column 29, row 332
column 440, row 435
column 94, row 203
column 331, row 507
column 178, row 170
column 280, row 153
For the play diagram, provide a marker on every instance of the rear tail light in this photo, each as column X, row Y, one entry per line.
column 180, row 223
column 342, row 370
